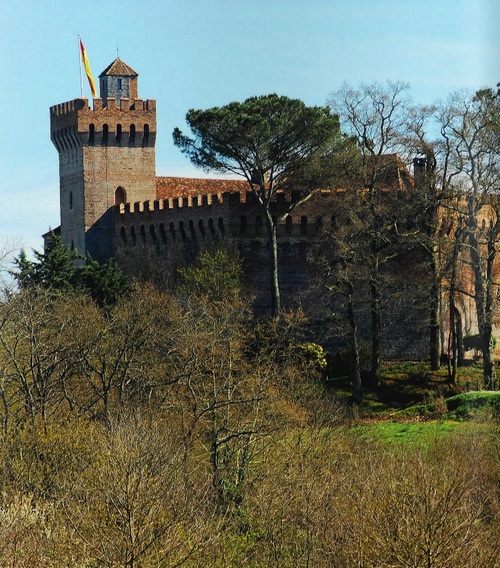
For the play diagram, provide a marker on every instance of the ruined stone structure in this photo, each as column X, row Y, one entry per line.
column 114, row 206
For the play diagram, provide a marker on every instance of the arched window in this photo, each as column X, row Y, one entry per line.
column 105, row 132
column 211, row 227
column 70, row 200
column 123, row 235
column 201, row 228
column 131, row 139
column 145, row 136
column 118, row 139
column 91, row 134
column 220, row 224
column 152, row 232
column 120, row 196
column 163, row 235
column 288, row 225
column 182, row 230
column 303, row 225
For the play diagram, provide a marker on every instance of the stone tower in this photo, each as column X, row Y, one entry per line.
column 106, row 157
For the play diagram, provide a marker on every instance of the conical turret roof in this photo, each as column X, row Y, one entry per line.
column 118, row 67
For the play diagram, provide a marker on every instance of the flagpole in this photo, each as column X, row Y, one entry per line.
column 80, row 65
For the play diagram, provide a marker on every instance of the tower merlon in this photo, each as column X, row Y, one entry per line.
column 69, row 109
column 125, row 122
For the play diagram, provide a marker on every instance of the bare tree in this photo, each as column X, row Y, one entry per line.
column 130, row 507
column 470, row 124
column 116, row 352
column 35, row 361
column 218, row 398
column 376, row 116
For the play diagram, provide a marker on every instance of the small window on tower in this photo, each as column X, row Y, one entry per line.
column 120, row 196
column 70, row 200
column 105, row 131
column 145, row 136
column 118, row 139
column 91, row 134
column 119, row 84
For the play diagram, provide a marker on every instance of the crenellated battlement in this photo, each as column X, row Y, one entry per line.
column 68, row 107
column 197, row 220
column 126, row 210
column 121, row 105
column 118, row 123
column 232, row 199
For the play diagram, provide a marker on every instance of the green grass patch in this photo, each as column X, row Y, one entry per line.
column 477, row 405
column 418, row 433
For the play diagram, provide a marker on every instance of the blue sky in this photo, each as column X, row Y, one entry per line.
column 203, row 53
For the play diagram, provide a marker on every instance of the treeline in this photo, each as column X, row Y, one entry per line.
column 170, row 428
column 77, row 493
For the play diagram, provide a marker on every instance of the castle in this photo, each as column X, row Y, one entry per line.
column 114, row 206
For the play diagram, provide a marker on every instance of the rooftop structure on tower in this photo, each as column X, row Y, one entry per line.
column 118, row 81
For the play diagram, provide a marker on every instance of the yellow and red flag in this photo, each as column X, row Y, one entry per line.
column 88, row 72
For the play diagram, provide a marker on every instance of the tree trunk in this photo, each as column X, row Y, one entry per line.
column 428, row 185
column 453, row 341
column 483, row 297
column 460, row 340
column 453, row 352
column 489, row 373
column 273, row 267
column 434, row 327
column 376, row 324
column 357, row 396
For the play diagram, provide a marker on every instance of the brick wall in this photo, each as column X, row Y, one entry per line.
column 152, row 239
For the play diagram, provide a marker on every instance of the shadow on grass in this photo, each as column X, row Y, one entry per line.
column 405, row 385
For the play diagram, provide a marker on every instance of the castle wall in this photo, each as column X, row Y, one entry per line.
column 151, row 240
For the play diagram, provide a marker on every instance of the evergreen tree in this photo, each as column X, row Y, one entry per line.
column 105, row 283
column 276, row 144
column 53, row 268
column 56, row 268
